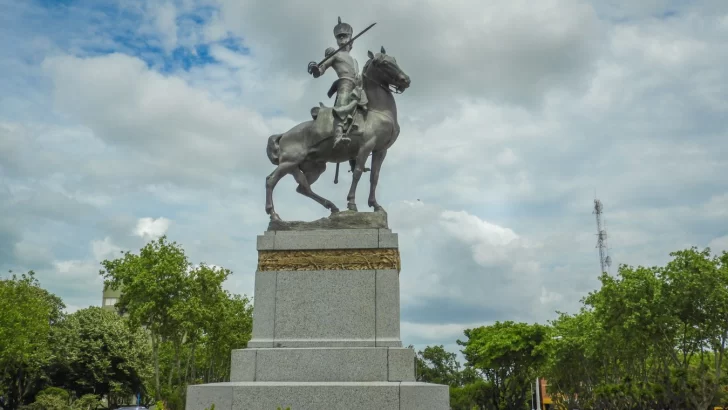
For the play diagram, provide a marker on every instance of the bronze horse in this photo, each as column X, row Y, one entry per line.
column 304, row 150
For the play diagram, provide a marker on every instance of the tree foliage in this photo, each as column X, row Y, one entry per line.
column 436, row 365
column 98, row 353
column 28, row 312
column 55, row 398
column 174, row 325
column 192, row 321
column 651, row 337
column 467, row 391
column 508, row 355
column 153, row 286
column 648, row 338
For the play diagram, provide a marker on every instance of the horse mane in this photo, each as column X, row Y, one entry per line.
column 366, row 66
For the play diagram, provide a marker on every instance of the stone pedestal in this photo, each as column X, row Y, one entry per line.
column 325, row 325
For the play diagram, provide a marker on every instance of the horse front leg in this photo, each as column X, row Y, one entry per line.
column 361, row 160
column 377, row 160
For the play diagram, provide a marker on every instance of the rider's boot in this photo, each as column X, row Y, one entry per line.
column 339, row 135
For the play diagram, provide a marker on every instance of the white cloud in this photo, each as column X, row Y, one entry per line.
column 516, row 115
column 549, row 297
column 490, row 243
column 165, row 22
column 717, row 206
column 472, row 230
column 507, row 157
column 718, row 245
column 433, row 333
column 214, row 30
column 105, row 249
column 456, row 258
column 151, row 228
column 447, row 47
column 29, row 252
column 77, row 281
column 73, row 308
column 172, row 129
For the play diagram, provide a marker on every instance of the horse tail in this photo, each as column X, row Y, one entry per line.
column 274, row 148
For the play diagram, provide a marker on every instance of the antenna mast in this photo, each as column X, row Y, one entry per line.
column 604, row 259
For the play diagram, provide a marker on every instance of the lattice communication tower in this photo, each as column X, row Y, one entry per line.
column 604, row 259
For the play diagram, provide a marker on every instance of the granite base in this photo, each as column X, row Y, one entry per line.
column 351, row 364
column 318, row 396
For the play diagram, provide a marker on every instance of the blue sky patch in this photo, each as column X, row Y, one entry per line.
column 55, row 3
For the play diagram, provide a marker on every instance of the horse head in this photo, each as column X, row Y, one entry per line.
column 384, row 70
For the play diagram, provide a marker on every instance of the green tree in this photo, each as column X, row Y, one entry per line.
column 48, row 402
column 230, row 329
column 214, row 323
column 477, row 394
column 575, row 360
column 98, row 353
column 154, row 285
column 206, row 305
column 86, row 402
column 28, row 313
column 51, row 398
column 436, row 365
column 696, row 295
column 192, row 321
column 636, row 332
column 508, row 355
column 650, row 337
column 54, row 398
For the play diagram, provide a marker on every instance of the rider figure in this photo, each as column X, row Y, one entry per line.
column 347, row 69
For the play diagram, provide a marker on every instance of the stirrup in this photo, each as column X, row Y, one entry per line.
column 345, row 138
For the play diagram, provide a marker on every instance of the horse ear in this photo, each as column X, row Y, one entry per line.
column 370, row 54
column 383, row 52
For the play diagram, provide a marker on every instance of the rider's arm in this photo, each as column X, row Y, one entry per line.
column 328, row 63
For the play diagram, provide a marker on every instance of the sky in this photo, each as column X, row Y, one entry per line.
column 121, row 121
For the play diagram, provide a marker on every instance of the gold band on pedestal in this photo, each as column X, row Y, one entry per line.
column 329, row 259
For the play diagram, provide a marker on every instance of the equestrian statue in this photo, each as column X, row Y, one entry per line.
column 362, row 122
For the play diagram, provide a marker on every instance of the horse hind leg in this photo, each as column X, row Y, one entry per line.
column 306, row 175
column 270, row 183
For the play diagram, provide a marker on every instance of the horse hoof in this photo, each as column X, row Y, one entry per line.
column 335, row 210
column 352, row 207
column 378, row 208
column 274, row 217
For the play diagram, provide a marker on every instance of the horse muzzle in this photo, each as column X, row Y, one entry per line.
column 401, row 83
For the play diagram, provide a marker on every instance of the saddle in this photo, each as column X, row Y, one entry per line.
column 323, row 123
column 323, row 117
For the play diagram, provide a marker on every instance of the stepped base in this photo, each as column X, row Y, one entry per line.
column 394, row 364
column 326, row 325
column 318, row 396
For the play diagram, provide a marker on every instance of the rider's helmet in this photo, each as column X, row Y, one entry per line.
column 343, row 28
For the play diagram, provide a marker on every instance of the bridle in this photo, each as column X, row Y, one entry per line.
column 389, row 87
